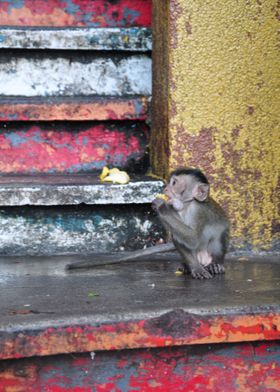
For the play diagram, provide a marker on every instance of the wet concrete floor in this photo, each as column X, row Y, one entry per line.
column 38, row 291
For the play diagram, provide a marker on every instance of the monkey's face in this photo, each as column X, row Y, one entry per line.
column 174, row 190
column 177, row 187
column 184, row 188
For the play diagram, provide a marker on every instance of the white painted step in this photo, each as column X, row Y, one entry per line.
column 47, row 75
column 51, row 190
column 132, row 39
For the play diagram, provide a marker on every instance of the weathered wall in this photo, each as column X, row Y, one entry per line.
column 74, row 96
column 223, row 107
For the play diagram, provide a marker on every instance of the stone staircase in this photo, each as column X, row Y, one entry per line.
column 74, row 96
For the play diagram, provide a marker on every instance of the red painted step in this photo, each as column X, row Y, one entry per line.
column 97, row 13
column 70, row 147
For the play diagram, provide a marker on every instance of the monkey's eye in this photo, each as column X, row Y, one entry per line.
column 173, row 182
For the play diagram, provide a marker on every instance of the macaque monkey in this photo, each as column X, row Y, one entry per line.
column 198, row 226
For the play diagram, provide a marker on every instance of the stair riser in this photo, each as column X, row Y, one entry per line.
column 72, row 147
column 97, row 13
column 76, row 229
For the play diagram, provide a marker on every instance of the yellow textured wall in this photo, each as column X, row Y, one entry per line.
column 224, row 104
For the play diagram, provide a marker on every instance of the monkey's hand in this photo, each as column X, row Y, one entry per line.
column 162, row 204
column 169, row 199
column 157, row 203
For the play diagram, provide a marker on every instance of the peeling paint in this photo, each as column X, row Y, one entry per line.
column 71, row 148
column 76, row 109
column 73, row 75
column 223, row 109
column 97, row 13
column 238, row 368
column 149, row 332
column 77, row 229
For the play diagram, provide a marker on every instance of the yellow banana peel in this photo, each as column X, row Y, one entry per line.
column 114, row 175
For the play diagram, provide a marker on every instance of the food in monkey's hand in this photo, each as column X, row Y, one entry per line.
column 162, row 196
column 114, row 175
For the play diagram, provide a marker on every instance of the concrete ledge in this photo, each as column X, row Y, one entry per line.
column 46, row 311
column 132, row 39
column 51, row 190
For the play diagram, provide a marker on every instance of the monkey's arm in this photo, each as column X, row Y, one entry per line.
column 182, row 234
column 122, row 258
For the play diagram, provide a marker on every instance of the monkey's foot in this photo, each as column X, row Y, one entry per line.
column 201, row 273
column 215, row 269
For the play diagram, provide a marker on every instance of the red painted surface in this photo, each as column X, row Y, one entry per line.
column 173, row 328
column 96, row 13
column 70, row 148
column 219, row 368
column 98, row 109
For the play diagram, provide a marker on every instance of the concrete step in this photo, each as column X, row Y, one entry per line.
column 58, row 214
column 65, row 108
column 46, row 310
column 138, row 39
column 50, row 190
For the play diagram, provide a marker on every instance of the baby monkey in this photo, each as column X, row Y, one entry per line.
column 198, row 226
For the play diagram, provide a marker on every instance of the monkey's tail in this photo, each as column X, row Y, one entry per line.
column 130, row 256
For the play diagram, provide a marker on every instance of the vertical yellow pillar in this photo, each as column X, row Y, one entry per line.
column 216, row 81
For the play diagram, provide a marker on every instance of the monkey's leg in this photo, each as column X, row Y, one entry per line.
column 191, row 264
column 204, row 258
column 182, row 234
column 218, row 251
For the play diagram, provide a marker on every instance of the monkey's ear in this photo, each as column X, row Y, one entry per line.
column 201, row 192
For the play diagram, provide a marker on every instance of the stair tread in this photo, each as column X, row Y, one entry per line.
column 77, row 38
column 40, row 299
column 74, row 189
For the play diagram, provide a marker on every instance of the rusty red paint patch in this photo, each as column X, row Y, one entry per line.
column 239, row 367
column 98, row 13
column 70, row 148
column 200, row 147
column 98, row 109
column 174, row 328
column 175, row 12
